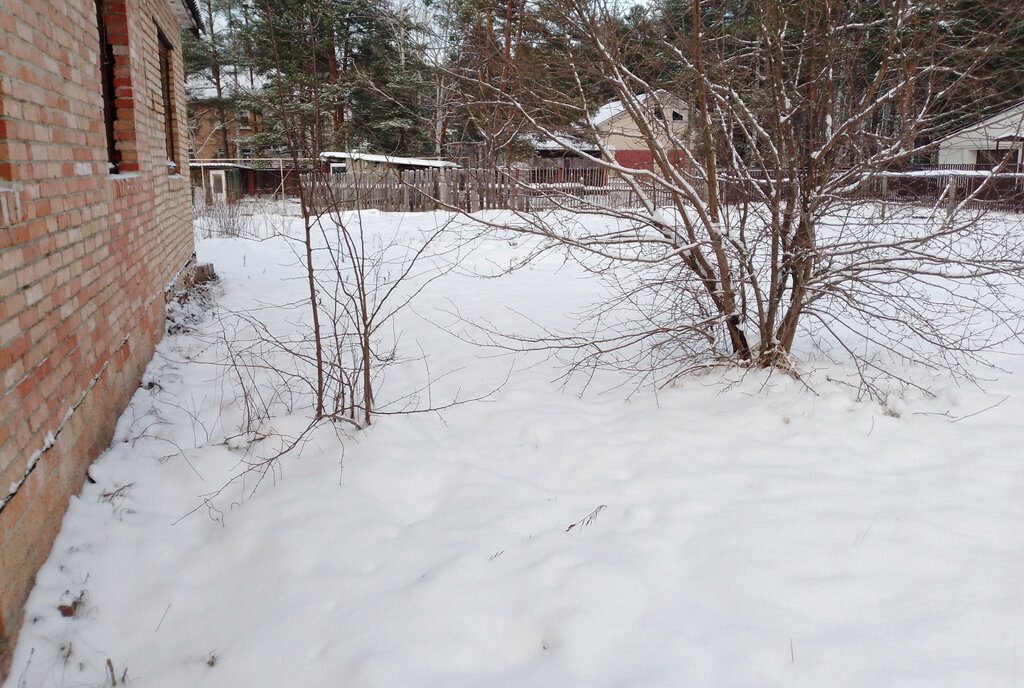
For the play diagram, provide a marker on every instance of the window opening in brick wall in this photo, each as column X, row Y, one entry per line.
column 107, row 67
column 116, row 85
column 167, row 91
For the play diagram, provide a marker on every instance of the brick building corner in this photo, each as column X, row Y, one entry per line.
column 95, row 230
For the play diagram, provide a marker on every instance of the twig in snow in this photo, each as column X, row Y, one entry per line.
column 588, row 519
column 161, row 623
column 21, row 679
column 988, row 408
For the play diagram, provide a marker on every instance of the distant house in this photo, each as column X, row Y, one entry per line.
column 342, row 162
column 218, row 128
column 224, row 164
column 95, row 234
column 618, row 132
column 616, row 136
column 993, row 141
column 212, row 140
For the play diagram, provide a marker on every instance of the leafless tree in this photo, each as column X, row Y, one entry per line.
column 750, row 225
column 357, row 280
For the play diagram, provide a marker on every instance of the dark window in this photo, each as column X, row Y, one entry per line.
column 658, row 114
column 994, row 158
column 107, row 65
column 677, row 116
column 246, row 153
column 167, row 91
column 221, row 153
column 244, row 118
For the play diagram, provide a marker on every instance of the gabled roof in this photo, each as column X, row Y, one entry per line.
column 1016, row 110
column 614, row 108
column 609, row 111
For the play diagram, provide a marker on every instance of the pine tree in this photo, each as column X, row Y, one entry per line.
column 338, row 74
column 208, row 58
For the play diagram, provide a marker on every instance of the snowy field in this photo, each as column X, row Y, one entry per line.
column 727, row 530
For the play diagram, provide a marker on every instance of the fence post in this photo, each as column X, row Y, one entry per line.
column 951, row 201
column 885, row 196
column 444, row 189
column 475, row 193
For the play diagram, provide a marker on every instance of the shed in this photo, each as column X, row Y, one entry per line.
column 217, row 183
column 340, row 162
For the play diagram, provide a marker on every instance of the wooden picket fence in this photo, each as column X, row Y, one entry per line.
column 471, row 190
column 971, row 186
column 533, row 189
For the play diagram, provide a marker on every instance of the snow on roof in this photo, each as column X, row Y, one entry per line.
column 954, row 173
column 200, row 86
column 386, row 159
column 607, row 111
column 1004, row 116
column 219, row 165
column 614, row 108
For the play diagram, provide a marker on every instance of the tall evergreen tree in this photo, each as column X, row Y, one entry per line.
column 208, row 59
column 338, row 74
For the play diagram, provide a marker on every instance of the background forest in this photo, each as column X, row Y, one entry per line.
column 474, row 79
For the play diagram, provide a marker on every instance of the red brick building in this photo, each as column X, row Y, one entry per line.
column 212, row 140
column 95, row 230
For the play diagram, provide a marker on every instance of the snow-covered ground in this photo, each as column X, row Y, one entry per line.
column 725, row 531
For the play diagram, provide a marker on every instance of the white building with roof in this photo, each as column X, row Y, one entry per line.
column 993, row 141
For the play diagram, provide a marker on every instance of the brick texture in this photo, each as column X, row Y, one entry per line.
column 208, row 136
column 85, row 256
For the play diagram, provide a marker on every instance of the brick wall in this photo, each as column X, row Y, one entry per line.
column 207, row 134
column 85, row 255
